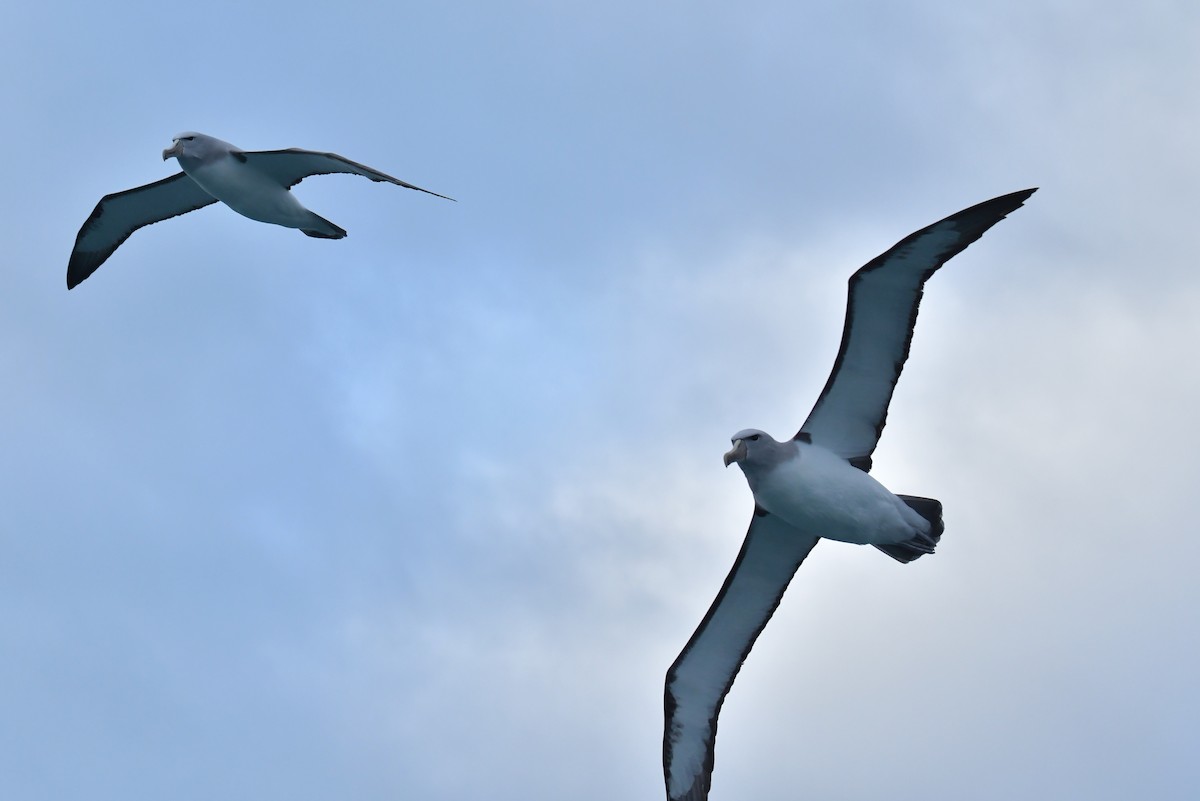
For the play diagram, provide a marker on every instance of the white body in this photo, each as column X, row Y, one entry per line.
column 247, row 191
column 818, row 491
column 228, row 174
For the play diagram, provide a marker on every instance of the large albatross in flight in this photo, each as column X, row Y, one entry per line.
column 816, row 485
column 254, row 183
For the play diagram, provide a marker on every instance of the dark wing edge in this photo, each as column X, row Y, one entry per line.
column 289, row 172
column 118, row 215
column 770, row 555
column 969, row 225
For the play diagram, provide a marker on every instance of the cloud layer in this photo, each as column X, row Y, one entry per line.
column 427, row 512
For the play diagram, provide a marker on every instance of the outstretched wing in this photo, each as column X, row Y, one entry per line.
column 880, row 314
column 291, row 166
column 704, row 671
column 118, row 215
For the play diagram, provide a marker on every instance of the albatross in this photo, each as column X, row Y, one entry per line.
column 816, row 484
column 254, row 183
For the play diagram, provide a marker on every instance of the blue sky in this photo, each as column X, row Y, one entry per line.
column 428, row 511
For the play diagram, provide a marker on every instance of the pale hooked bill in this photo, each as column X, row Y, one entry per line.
column 254, row 183
column 816, row 485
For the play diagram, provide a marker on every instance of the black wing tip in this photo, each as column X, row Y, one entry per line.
column 990, row 212
column 426, row 191
column 80, row 268
column 1021, row 195
column 970, row 223
column 1016, row 199
column 389, row 179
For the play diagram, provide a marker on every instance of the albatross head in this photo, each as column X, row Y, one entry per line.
column 754, row 450
column 197, row 147
column 743, row 442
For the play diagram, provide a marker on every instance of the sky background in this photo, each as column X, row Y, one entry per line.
column 426, row 513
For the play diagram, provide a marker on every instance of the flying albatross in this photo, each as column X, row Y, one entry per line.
column 816, row 485
column 254, row 183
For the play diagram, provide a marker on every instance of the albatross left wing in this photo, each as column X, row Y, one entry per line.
column 291, row 166
column 118, row 215
column 880, row 314
column 704, row 671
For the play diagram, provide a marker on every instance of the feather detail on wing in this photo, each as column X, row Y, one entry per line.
column 118, row 215
column 701, row 676
column 880, row 315
column 291, row 166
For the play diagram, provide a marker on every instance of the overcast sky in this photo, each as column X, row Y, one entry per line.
column 427, row 512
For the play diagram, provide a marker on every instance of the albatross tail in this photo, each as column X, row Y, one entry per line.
column 321, row 228
column 922, row 544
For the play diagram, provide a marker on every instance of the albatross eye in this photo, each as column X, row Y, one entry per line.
column 753, row 437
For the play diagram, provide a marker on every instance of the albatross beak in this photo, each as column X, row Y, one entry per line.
column 737, row 453
column 173, row 150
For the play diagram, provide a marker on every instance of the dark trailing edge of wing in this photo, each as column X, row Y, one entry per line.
column 299, row 151
column 377, row 176
column 700, row 787
column 971, row 223
column 85, row 262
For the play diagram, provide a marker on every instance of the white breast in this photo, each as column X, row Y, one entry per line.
column 821, row 493
column 249, row 192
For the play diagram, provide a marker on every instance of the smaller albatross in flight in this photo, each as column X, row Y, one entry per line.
column 254, row 183
column 817, row 484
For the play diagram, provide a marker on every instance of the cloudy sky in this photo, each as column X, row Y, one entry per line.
column 427, row 512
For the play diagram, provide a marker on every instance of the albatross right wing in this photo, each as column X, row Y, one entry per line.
column 118, row 215
column 704, row 671
column 291, row 166
column 880, row 314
